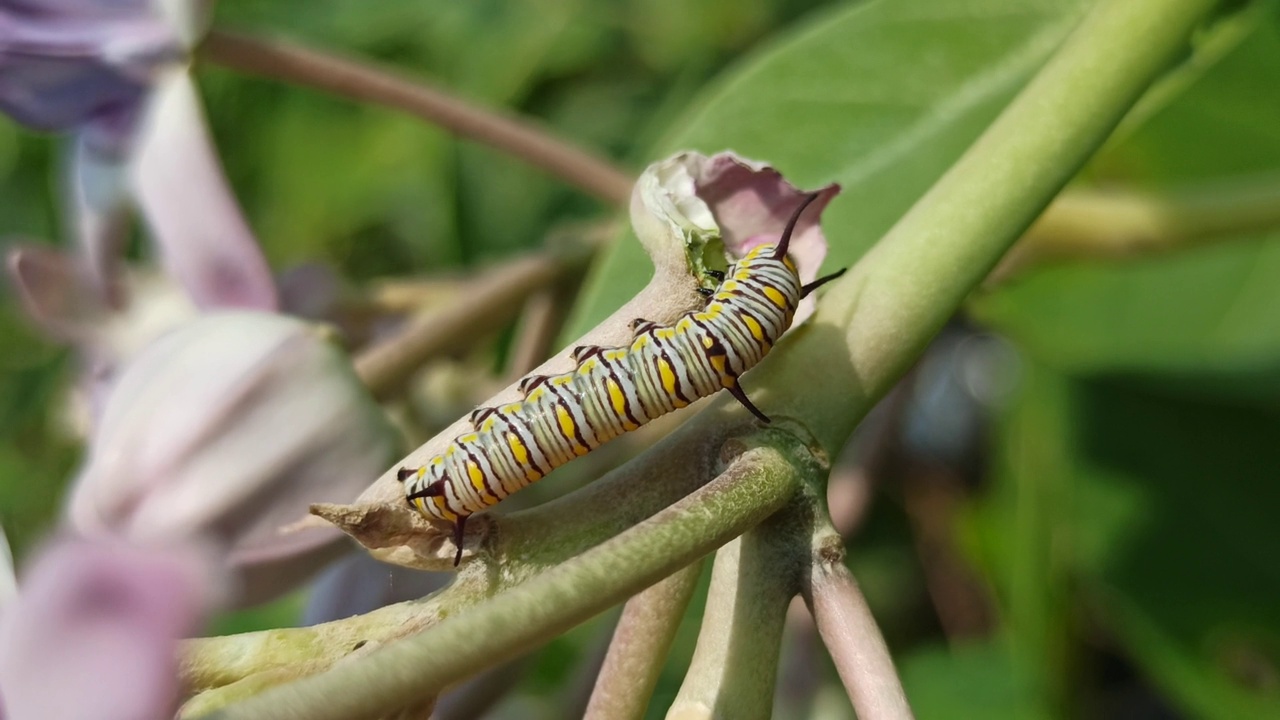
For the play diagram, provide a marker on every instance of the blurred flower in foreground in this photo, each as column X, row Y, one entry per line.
column 115, row 73
column 94, row 631
column 105, row 338
column 741, row 202
column 228, row 429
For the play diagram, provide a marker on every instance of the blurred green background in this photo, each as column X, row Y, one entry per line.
column 1116, row 527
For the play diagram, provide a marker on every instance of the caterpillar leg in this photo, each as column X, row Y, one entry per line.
column 706, row 292
column 432, row 490
column 805, row 290
column 459, row 527
column 736, row 391
column 405, row 473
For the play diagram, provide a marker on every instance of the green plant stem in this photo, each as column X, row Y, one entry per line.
column 529, row 542
column 735, row 666
column 639, row 647
column 368, row 83
column 875, row 321
column 756, row 484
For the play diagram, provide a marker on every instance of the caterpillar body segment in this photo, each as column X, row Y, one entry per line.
column 612, row 391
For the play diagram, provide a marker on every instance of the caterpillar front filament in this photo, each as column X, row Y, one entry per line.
column 615, row 390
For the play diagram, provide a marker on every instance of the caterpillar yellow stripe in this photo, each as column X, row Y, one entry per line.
column 614, row 390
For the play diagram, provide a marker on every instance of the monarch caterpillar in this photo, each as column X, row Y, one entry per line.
column 615, row 390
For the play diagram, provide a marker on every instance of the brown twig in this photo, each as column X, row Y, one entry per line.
column 639, row 648
column 384, row 86
column 1117, row 225
column 852, row 637
column 492, row 300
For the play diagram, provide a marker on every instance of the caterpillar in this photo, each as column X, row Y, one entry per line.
column 615, row 390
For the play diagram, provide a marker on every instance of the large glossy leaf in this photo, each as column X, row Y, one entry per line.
column 1206, row 316
column 880, row 97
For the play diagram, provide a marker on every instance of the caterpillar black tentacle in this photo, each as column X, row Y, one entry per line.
column 615, row 390
column 640, row 326
column 806, row 289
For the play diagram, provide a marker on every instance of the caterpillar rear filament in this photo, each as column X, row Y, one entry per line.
column 615, row 390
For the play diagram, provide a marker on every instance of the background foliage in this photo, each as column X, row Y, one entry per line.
column 1115, row 526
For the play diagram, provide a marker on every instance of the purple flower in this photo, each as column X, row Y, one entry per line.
column 227, row 430
column 65, row 64
column 114, row 73
column 94, row 630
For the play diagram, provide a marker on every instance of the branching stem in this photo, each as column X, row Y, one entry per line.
column 460, row 643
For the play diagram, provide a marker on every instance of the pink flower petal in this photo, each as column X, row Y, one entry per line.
column 204, row 240
column 750, row 204
column 93, row 632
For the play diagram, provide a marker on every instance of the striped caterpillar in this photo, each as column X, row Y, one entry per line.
column 615, row 390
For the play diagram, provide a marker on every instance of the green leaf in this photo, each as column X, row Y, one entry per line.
column 975, row 681
column 1203, row 316
column 880, row 97
column 1161, row 512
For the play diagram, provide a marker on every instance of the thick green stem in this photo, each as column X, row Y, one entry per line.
column 757, row 484
column 639, row 648
column 874, row 322
column 735, row 667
